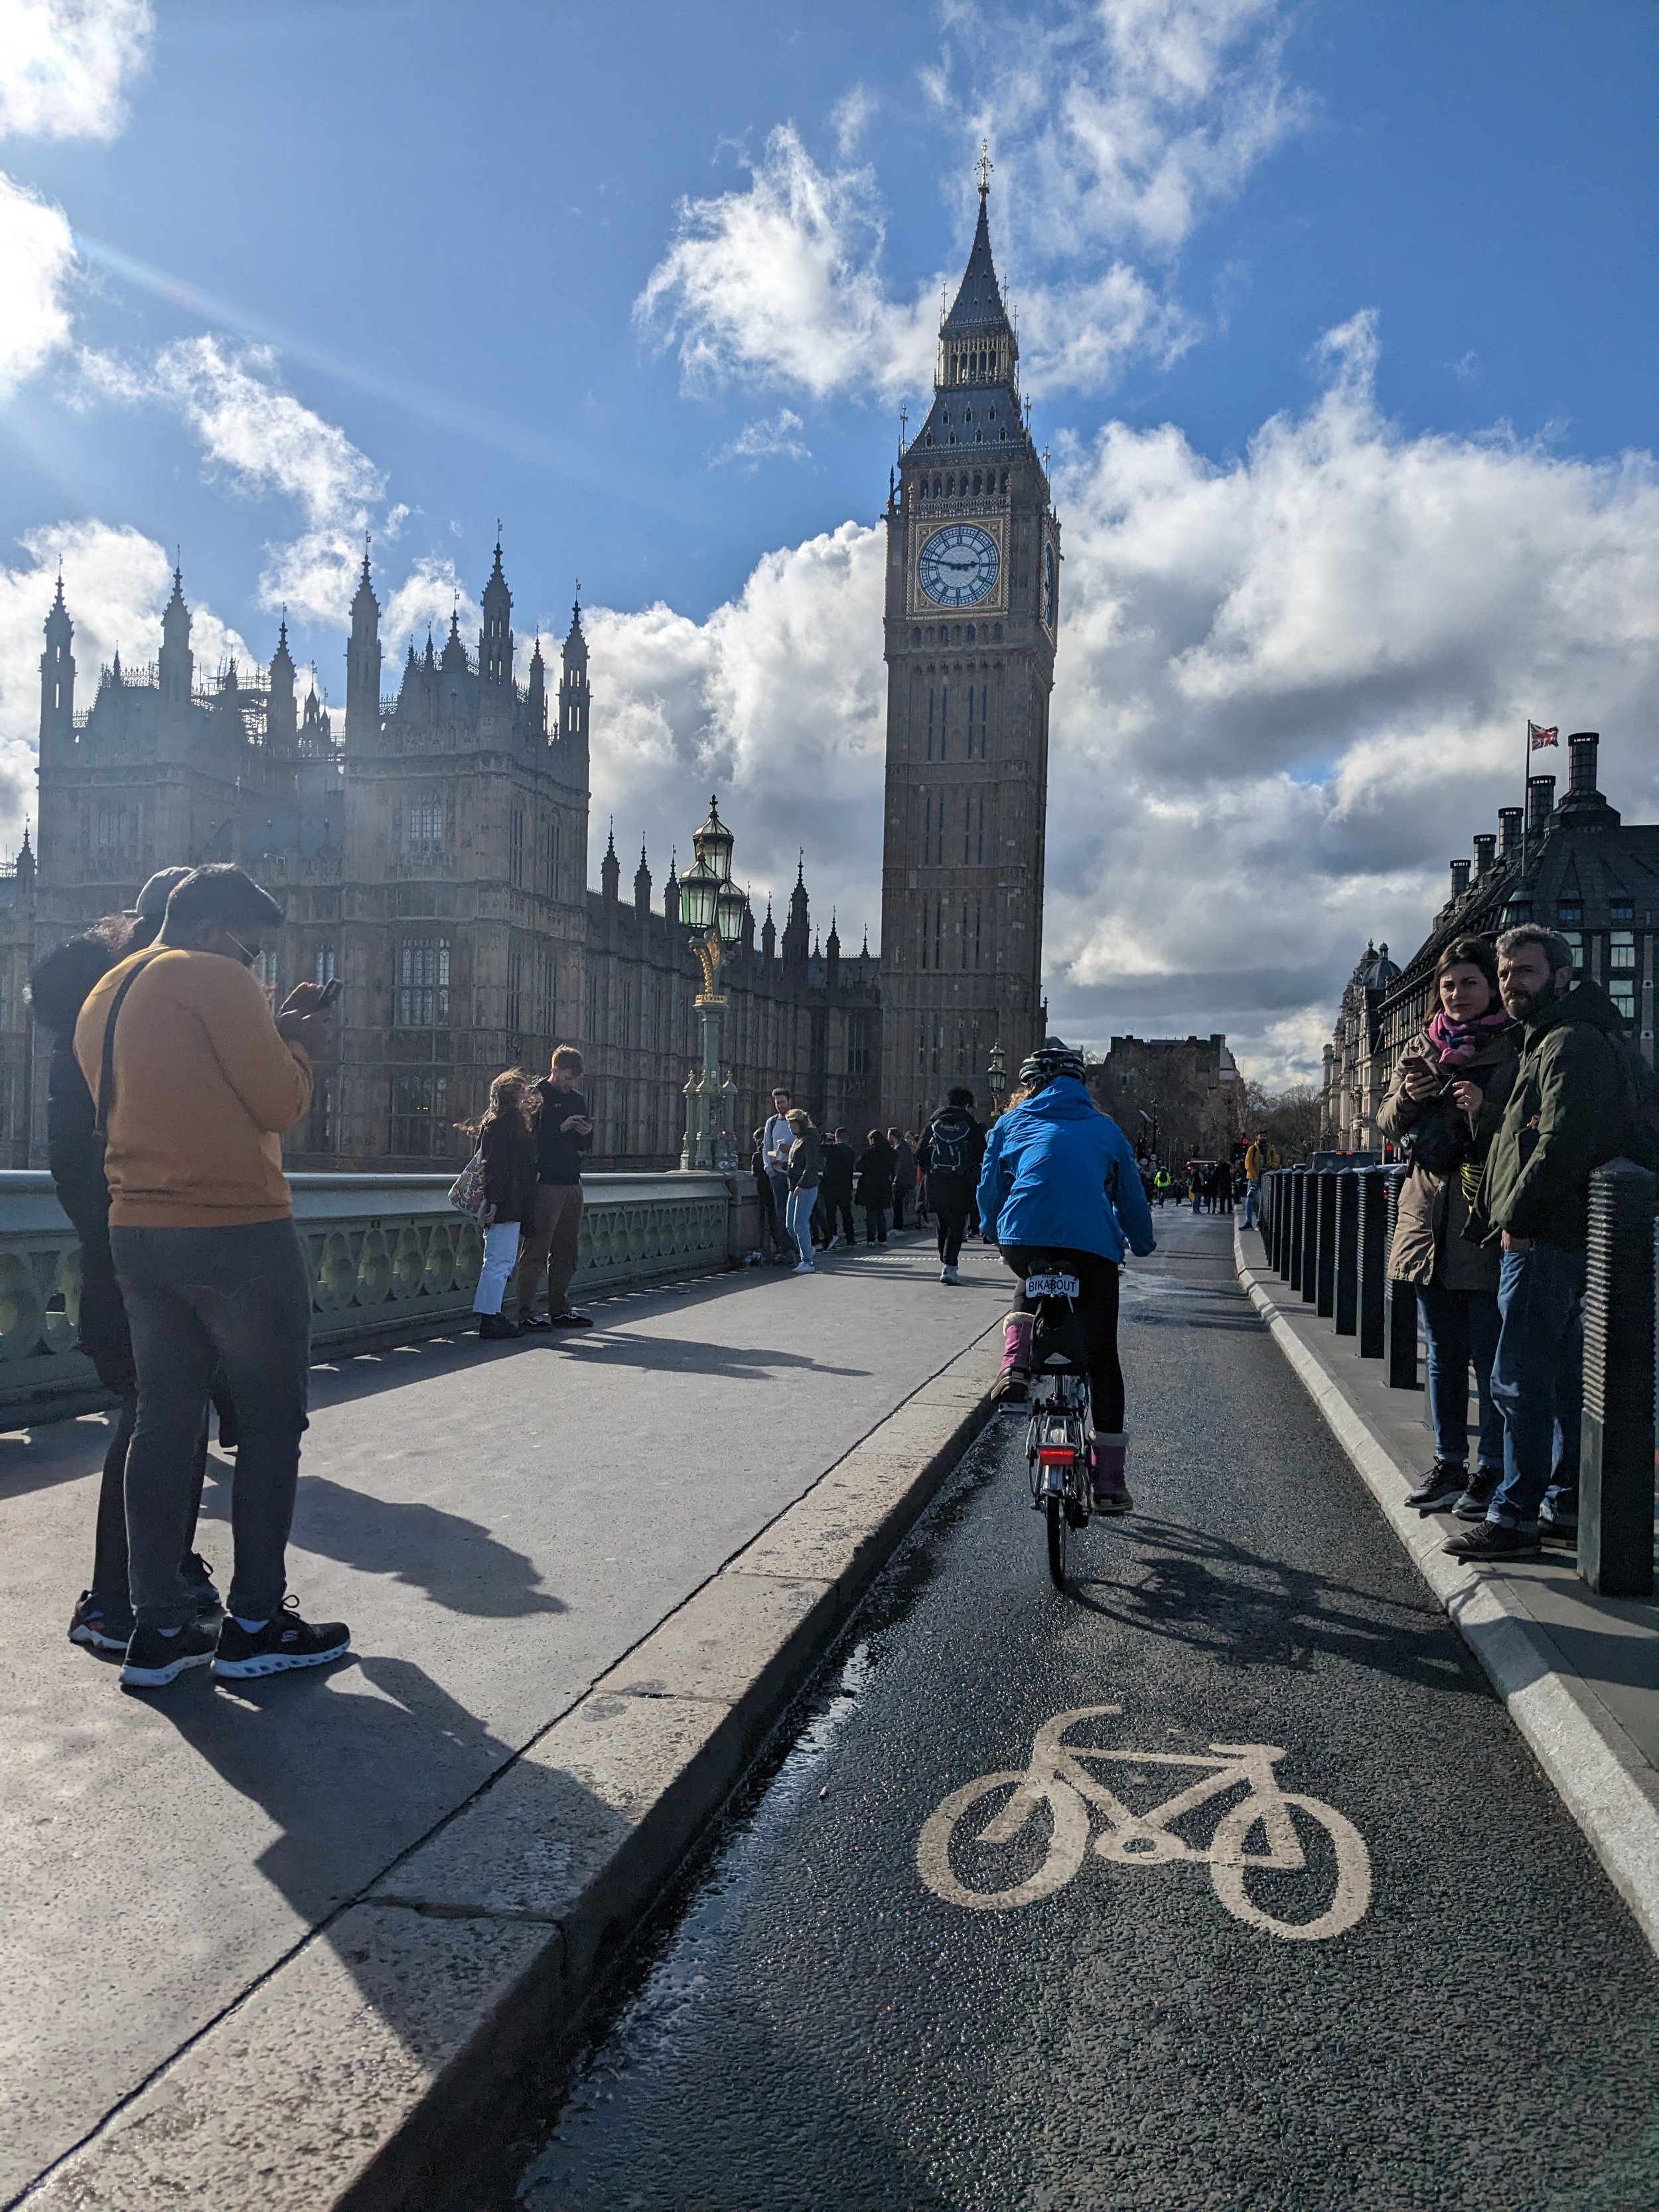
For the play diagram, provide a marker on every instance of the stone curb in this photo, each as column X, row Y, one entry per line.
column 400, row 2040
column 1599, row 1772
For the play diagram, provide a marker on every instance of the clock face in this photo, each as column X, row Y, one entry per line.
column 958, row 566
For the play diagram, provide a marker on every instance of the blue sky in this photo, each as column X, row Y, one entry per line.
column 650, row 283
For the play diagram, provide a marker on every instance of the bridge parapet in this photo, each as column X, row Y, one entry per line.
column 390, row 1257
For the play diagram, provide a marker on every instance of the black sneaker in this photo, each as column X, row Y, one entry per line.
column 154, row 1660
column 198, row 1581
column 533, row 1321
column 1483, row 1488
column 285, row 1641
column 496, row 1325
column 102, row 1624
column 1561, row 1527
column 1491, row 1540
column 569, row 1319
column 1439, row 1486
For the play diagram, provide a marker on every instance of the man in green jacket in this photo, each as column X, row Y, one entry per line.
column 1566, row 1113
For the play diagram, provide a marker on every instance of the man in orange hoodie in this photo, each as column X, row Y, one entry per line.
column 195, row 1084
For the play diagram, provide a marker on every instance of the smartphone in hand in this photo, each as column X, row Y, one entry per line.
column 330, row 994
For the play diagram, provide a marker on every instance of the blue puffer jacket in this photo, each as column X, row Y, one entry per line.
column 1059, row 1172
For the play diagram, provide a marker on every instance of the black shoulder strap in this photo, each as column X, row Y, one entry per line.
column 106, row 1067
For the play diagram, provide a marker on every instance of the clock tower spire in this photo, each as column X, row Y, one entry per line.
column 972, row 612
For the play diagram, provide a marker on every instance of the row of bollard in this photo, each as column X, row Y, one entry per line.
column 1327, row 1231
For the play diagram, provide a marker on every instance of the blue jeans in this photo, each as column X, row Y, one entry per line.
column 1252, row 1203
column 802, row 1199
column 1461, row 1328
column 780, row 1183
column 197, row 1299
column 1538, row 1381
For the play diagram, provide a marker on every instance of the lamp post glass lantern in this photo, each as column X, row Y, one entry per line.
column 714, row 911
column 997, row 1076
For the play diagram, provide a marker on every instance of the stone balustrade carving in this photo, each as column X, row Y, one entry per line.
column 389, row 1257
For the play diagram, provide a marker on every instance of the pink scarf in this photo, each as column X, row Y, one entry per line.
column 1457, row 1042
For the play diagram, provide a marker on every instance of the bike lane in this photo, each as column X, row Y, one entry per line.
column 834, row 2015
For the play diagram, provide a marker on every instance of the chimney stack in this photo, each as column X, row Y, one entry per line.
column 1509, row 819
column 1540, row 801
column 1485, row 852
column 1460, row 875
column 1582, row 749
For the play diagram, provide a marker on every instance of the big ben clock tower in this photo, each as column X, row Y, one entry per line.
column 973, row 570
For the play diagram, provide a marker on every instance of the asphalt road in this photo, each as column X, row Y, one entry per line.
column 820, row 2021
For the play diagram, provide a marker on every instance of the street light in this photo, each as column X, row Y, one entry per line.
column 714, row 911
column 997, row 1076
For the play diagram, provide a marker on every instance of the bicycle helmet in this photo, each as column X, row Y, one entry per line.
column 1051, row 1058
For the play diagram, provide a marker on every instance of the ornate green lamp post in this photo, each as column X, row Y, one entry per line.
column 997, row 1077
column 712, row 909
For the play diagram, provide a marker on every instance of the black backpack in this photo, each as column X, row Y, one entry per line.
column 947, row 1150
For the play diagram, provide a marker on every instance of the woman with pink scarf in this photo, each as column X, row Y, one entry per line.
column 1445, row 1104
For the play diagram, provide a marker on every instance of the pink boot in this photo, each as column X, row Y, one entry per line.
column 1009, row 1391
column 1110, row 1491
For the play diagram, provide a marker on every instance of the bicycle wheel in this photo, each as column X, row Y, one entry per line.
column 1227, row 1870
column 1068, row 1840
column 1060, row 1530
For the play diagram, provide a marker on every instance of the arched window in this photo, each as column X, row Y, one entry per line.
column 977, row 481
column 426, row 825
column 423, row 983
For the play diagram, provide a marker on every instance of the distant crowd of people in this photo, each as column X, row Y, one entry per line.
column 810, row 1181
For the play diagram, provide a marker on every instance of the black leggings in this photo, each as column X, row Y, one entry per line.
column 1097, row 1308
column 949, row 1196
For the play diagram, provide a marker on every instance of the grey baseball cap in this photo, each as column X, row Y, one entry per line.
column 153, row 899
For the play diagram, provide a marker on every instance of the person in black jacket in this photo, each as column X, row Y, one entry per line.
column 507, row 1140
column 950, row 1155
column 874, row 1188
column 835, row 1191
column 103, row 1619
column 552, row 1228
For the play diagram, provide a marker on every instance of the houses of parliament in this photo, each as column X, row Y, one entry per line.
column 431, row 848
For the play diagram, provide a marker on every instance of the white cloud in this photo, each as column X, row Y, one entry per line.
column 265, row 440
column 116, row 581
column 1117, row 128
column 64, row 65
column 781, row 282
column 37, row 254
column 425, row 599
column 773, row 438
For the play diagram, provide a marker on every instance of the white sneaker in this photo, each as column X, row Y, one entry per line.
column 806, row 1269
column 948, row 1275
column 832, row 1244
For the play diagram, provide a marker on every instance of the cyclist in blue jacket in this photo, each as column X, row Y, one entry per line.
column 1060, row 1186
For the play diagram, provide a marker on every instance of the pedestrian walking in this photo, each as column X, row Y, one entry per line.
column 1570, row 1108
column 102, row 1618
column 505, row 1134
column 873, row 1189
column 1224, row 1187
column 920, row 1192
column 193, row 1082
column 949, row 1156
column 835, row 1191
column 550, row 1234
column 1163, row 1184
column 1445, row 1102
column 805, row 1166
column 904, row 1176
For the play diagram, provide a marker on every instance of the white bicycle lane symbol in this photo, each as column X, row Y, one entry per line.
column 1058, row 1778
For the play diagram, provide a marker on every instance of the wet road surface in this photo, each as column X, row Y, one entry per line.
column 822, row 2020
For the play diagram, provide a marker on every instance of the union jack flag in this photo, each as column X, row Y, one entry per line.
column 1537, row 738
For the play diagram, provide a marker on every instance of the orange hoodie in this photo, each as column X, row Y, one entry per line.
column 203, row 1088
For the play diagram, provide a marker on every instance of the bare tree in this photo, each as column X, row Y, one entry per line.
column 1290, row 1118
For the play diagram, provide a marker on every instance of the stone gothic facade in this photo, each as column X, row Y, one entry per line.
column 431, row 851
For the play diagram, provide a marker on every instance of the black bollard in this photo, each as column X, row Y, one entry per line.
column 1307, row 1278
column 1399, row 1308
column 1346, row 1309
column 1615, row 1481
column 1373, row 1259
column 1291, row 1269
column 1325, row 1245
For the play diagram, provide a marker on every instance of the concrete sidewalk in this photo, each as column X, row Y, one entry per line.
column 500, row 1526
column 1579, row 1673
